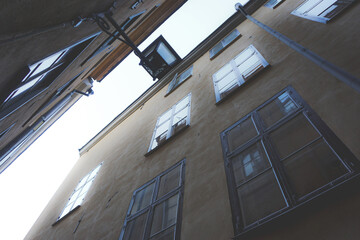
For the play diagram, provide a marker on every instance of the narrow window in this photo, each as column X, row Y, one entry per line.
column 171, row 122
column 235, row 34
column 321, row 10
column 180, row 78
column 155, row 206
column 279, row 156
column 80, row 191
column 244, row 66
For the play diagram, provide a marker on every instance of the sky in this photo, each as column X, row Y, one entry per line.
column 32, row 179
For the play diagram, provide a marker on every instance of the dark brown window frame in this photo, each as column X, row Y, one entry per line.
column 333, row 141
column 154, row 202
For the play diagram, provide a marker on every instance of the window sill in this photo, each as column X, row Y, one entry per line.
column 289, row 216
column 167, row 140
column 66, row 215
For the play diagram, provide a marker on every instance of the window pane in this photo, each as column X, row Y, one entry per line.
column 260, row 197
column 164, row 117
column 66, row 210
column 78, row 201
column 164, row 214
column 277, row 109
column 159, row 140
column 169, row 181
column 135, row 228
column 227, row 82
column 168, row 234
column 143, row 198
column 223, row 72
column 216, row 49
column 74, row 195
column 182, row 104
column 47, row 62
column 26, row 86
column 321, row 7
column 244, row 56
column 82, row 182
column 308, row 5
column 166, row 54
column 249, row 163
column 185, row 74
column 180, row 117
column 240, row 134
column 94, row 172
column 318, row 163
column 86, row 187
column 162, row 128
column 329, row 13
column 293, row 135
column 229, row 38
column 272, row 3
column 250, row 65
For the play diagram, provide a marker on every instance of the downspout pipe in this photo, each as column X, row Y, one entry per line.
column 334, row 70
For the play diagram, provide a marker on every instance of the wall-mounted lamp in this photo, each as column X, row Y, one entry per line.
column 157, row 59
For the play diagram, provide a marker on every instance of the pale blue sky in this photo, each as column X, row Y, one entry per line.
column 29, row 183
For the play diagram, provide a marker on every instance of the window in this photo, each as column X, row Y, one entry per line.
column 171, row 122
column 80, row 191
column 244, row 66
column 218, row 48
column 37, row 72
column 40, row 76
column 279, row 156
column 321, row 10
column 178, row 79
column 155, row 208
column 273, row 3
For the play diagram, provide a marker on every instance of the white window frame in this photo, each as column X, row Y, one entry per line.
column 74, row 202
column 240, row 79
column 180, row 78
column 328, row 7
column 170, row 129
column 273, row 3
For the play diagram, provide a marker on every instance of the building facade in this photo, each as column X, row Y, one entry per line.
column 243, row 139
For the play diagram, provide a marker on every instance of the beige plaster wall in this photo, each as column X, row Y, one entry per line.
column 206, row 207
